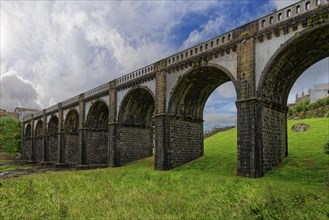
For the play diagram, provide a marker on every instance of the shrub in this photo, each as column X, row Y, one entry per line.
column 327, row 115
column 10, row 134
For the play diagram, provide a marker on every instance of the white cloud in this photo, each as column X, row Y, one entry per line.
column 279, row 4
column 17, row 91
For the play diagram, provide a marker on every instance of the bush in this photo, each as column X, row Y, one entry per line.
column 326, row 115
column 10, row 134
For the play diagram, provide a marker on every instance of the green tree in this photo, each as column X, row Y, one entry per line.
column 10, row 134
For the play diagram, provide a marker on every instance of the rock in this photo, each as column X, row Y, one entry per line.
column 296, row 118
column 300, row 127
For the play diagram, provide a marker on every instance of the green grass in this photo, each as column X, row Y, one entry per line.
column 203, row 189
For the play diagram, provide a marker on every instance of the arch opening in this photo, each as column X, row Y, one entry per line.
column 136, row 117
column 186, row 107
column 51, row 150
column 38, row 151
column 278, row 77
column 71, row 138
column 97, row 133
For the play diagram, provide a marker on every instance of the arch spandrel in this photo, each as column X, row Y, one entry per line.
column 290, row 61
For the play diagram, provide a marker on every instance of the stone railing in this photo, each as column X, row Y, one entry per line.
column 290, row 12
column 96, row 90
column 70, row 101
column 133, row 75
column 38, row 114
column 201, row 48
column 52, row 108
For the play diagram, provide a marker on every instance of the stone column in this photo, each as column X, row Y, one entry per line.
column 45, row 138
column 60, row 136
column 33, row 158
column 114, row 154
column 162, row 141
column 82, row 131
column 248, row 110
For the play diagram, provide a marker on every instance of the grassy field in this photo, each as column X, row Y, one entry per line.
column 203, row 189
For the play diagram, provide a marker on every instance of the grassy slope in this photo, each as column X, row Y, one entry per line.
column 205, row 188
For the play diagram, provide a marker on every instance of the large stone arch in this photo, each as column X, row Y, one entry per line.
column 281, row 72
column 136, row 125
column 97, row 133
column 52, row 131
column 39, row 142
column 185, row 109
column 71, row 138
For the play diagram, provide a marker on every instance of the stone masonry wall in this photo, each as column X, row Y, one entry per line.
column 135, row 143
column 38, row 149
column 27, row 147
column 186, row 141
column 274, row 133
column 71, row 149
column 97, row 150
column 52, row 148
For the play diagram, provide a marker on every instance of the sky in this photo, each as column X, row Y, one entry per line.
column 54, row 50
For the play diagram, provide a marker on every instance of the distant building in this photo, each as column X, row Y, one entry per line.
column 320, row 91
column 21, row 112
column 3, row 112
column 302, row 98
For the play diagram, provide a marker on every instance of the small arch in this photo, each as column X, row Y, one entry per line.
column 263, row 23
column 206, row 46
column 271, row 20
column 298, row 9
column 211, row 44
column 217, row 41
column 318, row 2
column 223, row 39
column 201, row 48
column 288, row 13
column 308, row 5
column 279, row 16
column 191, row 52
column 229, row 37
column 196, row 50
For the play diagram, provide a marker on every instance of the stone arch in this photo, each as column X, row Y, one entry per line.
column 137, row 107
column 27, row 132
column 136, row 125
column 71, row 138
column 185, row 108
column 39, row 141
column 52, row 131
column 97, row 133
column 191, row 92
column 281, row 72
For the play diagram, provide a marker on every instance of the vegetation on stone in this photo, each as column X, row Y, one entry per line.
column 207, row 188
column 320, row 108
column 10, row 134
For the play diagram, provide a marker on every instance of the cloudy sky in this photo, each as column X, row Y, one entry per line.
column 53, row 50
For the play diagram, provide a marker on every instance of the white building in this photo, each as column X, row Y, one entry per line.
column 320, row 91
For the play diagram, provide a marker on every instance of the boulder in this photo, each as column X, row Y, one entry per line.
column 300, row 127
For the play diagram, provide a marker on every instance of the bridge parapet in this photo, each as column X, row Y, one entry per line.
column 133, row 75
column 70, row 101
column 38, row 114
column 52, row 108
column 289, row 12
column 97, row 90
column 213, row 43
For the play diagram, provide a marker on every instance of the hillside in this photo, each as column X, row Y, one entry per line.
column 203, row 189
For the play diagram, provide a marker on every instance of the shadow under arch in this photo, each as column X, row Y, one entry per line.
column 71, row 152
column 97, row 134
column 52, row 131
column 135, row 131
column 185, row 109
column 191, row 92
column 39, row 141
column 284, row 68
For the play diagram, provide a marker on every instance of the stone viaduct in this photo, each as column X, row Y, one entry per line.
column 159, row 108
